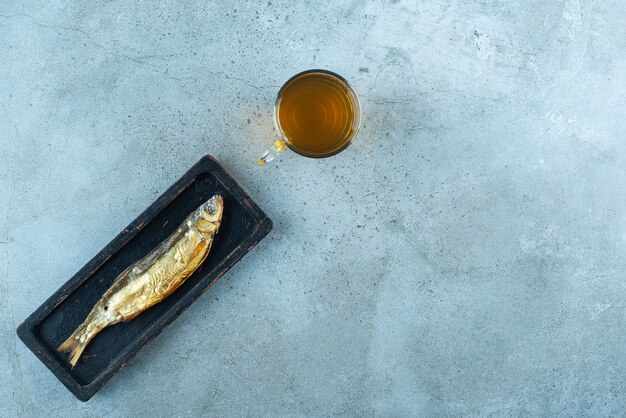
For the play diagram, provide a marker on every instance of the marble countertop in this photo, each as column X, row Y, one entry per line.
column 465, row 256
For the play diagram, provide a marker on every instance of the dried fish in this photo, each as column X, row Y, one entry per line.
column 153, row 278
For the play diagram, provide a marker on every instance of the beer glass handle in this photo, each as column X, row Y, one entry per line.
column 272, row 152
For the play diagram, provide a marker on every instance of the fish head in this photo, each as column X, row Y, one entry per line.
column 210, row 214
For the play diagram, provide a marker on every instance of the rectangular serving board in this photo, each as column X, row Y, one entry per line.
column 243, row 225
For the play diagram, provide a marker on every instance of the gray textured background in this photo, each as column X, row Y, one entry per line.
column 466, row 256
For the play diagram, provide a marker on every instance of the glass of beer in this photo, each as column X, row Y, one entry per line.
column 317, row 114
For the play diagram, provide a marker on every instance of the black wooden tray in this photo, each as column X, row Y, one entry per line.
column 243, row 225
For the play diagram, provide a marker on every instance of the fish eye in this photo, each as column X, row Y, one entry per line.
column 211, row 207
column 106, row 308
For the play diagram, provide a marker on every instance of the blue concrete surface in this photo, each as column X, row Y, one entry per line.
column 466, row 256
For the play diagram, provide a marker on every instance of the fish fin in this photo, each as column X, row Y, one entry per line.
column 74, row 346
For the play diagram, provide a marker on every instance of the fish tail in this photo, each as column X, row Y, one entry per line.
column 75, row 344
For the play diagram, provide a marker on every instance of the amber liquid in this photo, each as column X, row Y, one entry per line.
column 317, row 112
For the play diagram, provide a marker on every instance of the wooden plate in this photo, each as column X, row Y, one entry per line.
column 243, row 225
